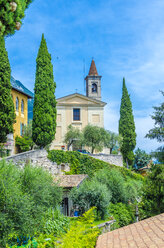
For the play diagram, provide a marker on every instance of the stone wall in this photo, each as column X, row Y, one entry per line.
column 110, row 158
column 38, row 158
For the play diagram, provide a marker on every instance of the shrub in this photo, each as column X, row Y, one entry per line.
column 25, row 196
column 39, row 184
column 24, row 144
column 133, row 189
column 89, row 194
column 122, row 213
column 55, row 223
column 15, row 207
column 81, row 233
column 152, row 202
column 114, row 182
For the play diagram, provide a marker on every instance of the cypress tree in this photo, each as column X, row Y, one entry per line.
column 11, row 13
column 7, row 112
column 44, row 111
column 127, row 126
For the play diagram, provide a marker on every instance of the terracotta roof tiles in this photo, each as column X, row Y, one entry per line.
column 93, row 70
column 148, row 233
column 70, row 181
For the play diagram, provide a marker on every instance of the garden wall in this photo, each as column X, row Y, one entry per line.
column 110, row 158
column 37, row 158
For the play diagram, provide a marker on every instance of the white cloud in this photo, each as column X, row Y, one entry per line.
column 111, row 116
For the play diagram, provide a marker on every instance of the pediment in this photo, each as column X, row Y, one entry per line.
column 78, row 99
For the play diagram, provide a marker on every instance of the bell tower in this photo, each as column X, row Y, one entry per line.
column 93, row 83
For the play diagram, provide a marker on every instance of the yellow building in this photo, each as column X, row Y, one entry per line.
column 21, row 104
column 80, row 110
column 20, row 96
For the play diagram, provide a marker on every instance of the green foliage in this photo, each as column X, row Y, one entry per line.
column 94, row 136
column 133, row 189
column 39, row 183
column 158, row 131
column 115, row 184
column 112, row 141
column 45, row 241
column 159, row 154
column 130, row 174
column 7, row 112
column 27, row 130
column 81, row 233
column 24, row 143
column 107, row 185
column 55, row 223
column 89, row 194
column 153, row 192
column 9, row 18
column 142, row 159
column 79, row 163
column 4, row 152
column 127, row 126
column 15, row 207
column 25, row 196
column 122, row 213
column 84, row 164
column 73, row 136
column 44, row 111
column 89, row 216
column 122, row 189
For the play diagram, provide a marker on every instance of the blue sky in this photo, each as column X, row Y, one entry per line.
column 126, row 39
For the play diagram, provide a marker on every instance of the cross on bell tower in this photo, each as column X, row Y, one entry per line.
column 93, row 83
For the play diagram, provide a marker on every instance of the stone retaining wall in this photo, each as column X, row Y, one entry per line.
column 38, row 158
column 110, row 158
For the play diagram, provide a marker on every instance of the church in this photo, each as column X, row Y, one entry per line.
column 80, row 110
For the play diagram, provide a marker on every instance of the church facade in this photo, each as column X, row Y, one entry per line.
column 80, row 110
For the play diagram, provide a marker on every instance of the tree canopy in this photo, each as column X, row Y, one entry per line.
column 11, row 14
column 94, row 137
column 112, row 141
column 72, row 136
column 44, row 111
column 153, row 192
column 127, row 126
column 7, row 112
column 142, row 159
column 89, row 194
column 158, row 131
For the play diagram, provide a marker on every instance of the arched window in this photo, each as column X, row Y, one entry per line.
column 94, row 87
column 17, row 104
column 22, row 106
